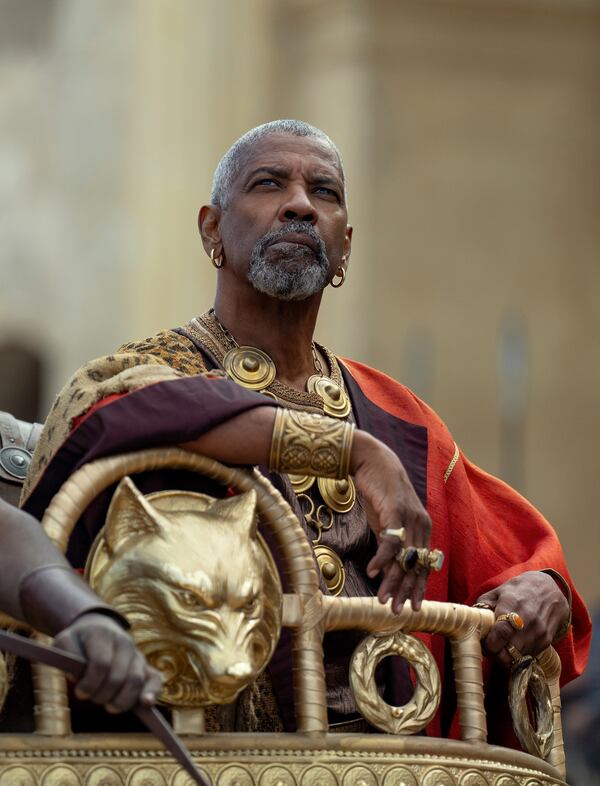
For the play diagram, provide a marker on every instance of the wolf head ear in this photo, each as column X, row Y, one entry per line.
column 238, row 513
column 130, row 516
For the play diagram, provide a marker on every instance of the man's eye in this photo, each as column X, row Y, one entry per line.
column 327, row 191
column 265, row 181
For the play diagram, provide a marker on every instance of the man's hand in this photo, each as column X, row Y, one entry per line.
column 379, row 476
column 117, row 674
column 536, row 598
column 391, row 502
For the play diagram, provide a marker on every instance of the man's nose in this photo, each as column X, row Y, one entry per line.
column 297, row 207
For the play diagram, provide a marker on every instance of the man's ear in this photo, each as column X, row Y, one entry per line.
column 347, row 246
column 209, row 219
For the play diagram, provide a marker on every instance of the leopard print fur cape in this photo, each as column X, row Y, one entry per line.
column 165, row 356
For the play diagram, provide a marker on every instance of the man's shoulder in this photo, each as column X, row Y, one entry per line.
column 165, row 340
column 169, row 346
column 394, row 397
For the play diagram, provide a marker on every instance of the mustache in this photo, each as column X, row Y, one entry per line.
column 292, row 227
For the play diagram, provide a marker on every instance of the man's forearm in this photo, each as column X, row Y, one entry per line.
column 246, row 439
column 243, row 439
column 25, row 548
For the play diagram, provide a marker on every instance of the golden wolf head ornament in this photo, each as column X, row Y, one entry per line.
column 197, row 585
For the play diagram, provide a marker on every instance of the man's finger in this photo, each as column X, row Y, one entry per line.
column 421, row 529
column 152, row 687
column 416, row 597
column 488, row 598
column 385, row 555
column 98, row 650
column 118, row 673
column 501, row 634
column 391, row 580
column 132, row 686
column 504, row 657
column 404, row 591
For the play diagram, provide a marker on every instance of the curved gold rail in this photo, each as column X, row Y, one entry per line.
column 306, row 610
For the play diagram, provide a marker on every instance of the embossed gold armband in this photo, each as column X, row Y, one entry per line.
column 309, row 444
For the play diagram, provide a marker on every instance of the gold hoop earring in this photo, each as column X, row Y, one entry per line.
column 341, row 272
column 217, row 261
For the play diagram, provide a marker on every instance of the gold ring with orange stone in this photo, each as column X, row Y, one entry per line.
column 514, row 620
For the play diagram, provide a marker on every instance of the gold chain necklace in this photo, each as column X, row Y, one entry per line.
column 254, row 369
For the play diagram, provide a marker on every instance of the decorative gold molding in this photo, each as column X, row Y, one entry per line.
column 268, row 760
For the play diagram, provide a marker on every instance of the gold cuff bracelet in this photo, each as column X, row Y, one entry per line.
column 304, row 443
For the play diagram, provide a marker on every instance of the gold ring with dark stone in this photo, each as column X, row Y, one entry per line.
column 514, row 620
column 407, row 558
column 430, row 560
column 435, row 559
column 423, row 558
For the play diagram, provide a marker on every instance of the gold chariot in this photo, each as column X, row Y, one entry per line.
column 142, row 562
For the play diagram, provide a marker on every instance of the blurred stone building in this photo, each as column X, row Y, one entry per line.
column 470, row 131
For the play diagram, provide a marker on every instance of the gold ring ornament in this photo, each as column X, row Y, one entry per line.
column 413, row 716
column 514, row 653
column 407, row 558
column 436, row 559
column 339, row 495
column 324, row 511
column 430, row 560
column 305, row 443
column 328, row 561
column 399, row 533
column 301, row 483
column 341, row 272
column 217, row 261
column 527, row 688
column 336, row 401
column 308, row 515
column 514, row 620
column 249, row 367
column 331, row 567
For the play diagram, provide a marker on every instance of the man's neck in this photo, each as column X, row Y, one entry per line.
column 282, row 329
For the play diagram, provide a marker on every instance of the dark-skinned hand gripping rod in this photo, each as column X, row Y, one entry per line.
column 75, row 665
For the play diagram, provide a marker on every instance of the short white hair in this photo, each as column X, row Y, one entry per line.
column 229, row 166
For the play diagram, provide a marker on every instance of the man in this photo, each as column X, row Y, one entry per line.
column 39, row 587
column 276, row 229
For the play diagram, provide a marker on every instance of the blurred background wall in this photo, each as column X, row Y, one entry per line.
column 470, row 131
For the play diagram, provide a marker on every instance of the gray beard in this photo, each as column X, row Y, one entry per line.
column 295, row 276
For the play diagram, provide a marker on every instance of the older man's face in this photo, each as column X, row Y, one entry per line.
column 285, row 227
